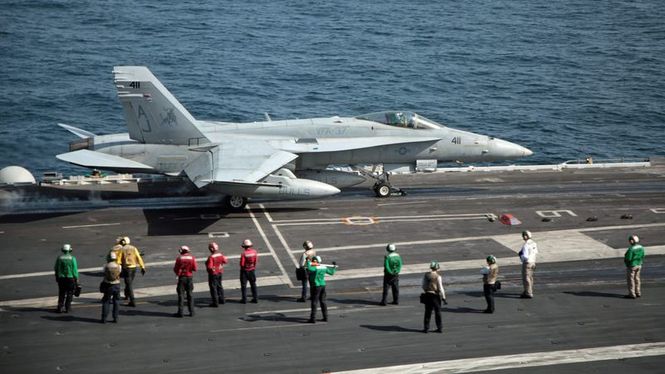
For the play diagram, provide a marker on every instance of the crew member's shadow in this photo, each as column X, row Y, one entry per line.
column 504, row 295
column 278, row 317
column 354, row 301
column 594, row 294
column 71, row 318
column 390, row 328
column 461, row 310
column 138, row 312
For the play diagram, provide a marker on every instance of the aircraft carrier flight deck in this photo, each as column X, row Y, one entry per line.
column 578, row 320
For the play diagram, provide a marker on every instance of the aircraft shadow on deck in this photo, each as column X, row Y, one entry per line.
column 31, row 217
column 191, row 221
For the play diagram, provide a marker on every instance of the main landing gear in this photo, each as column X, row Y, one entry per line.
column 382, row 188
column 235, row 203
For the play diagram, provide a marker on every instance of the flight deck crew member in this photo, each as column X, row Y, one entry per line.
column 215, row 267
column 317, row 276
column 248, row 259
column 117, row 248
column 130, row 258
column 490, row 274
column 111, row 288
column 434, row 293
column 67, row 275
column 185, row 266
column 528, row 254
column 633, row 259
column 305, row 258
column 392, row 265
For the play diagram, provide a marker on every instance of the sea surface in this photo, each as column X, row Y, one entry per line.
column 566, row 79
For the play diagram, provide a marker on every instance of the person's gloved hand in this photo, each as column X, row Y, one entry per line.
column 445, row 301
column 334, row 263
column 142, row 271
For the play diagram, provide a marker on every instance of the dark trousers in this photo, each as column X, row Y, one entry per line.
column 305, row 282
column 111, row 297
column 216, row 289
column 185, row 288
column 488, row 291
column 318, row 296
column 247, row 275
column 390, row 281
column 128, row 274
column 432, row 304
column 65, row 293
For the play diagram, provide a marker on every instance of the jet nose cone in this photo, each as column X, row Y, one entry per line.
column 527, row 152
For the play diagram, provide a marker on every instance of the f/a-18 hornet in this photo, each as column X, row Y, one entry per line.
column 287, row 159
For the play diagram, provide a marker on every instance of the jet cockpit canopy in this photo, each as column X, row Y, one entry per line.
column 401, row 119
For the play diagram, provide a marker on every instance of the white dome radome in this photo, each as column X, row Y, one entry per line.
column 16, row 174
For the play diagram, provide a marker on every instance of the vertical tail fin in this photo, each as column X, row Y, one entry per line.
column 153, row 115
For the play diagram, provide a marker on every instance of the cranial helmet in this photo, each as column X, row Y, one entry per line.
column 526, row 234
column 125, row 240
column 213, row 246
column 118, row 240
column 247, row 243
column 66, row 248
column 317, row 259
column 184, row 249
column 434, row 265
column 634, row 239
column 491, row 259
column 308, row 244
column 391, row 247
column 113, row 256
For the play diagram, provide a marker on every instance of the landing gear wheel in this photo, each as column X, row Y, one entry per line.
column 382, row 189
column 235, row 202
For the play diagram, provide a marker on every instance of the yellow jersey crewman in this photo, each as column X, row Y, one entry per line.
column 129, row 259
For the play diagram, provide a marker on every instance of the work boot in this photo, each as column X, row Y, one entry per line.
column 254, row 301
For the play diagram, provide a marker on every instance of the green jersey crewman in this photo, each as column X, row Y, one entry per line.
column 633, row 259
column 317, row 279
column 392, row 265
column 67, row 275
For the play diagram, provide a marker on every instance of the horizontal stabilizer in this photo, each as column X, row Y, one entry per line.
column 76, row 131
column 98, row 160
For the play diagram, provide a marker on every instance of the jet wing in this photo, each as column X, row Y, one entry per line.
column 242, row 162
column 316, row 145
column 98, row 160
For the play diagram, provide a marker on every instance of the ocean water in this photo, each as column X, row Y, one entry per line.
column 566, row 79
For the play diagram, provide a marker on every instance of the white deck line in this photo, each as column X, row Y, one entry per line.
column 523, row 360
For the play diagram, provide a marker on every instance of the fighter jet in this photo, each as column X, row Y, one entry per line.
column 285, row 159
